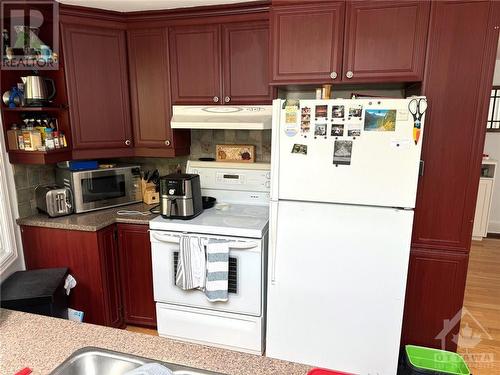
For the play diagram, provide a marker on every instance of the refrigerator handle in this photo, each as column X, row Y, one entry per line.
column 273, row 227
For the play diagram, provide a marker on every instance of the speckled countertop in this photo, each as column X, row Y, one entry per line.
column 90, row 221
column 42, row 343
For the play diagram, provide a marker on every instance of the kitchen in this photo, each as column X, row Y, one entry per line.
column 165, row 87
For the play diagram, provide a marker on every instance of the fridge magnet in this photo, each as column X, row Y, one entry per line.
column 401, row 144
column 291, row 117
column 299, row 149
column 337, row 130
column 321, row 112
column 291, row 104
column 305, row 126
column 235, row 153
column 342, row 151
column 417, row 108
column 291, row 130
column 320, row 130
column 338, row 111
column 356, row 110
column 382, row 120
column 353, row 130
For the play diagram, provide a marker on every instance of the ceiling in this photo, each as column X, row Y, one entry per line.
column 137, row 5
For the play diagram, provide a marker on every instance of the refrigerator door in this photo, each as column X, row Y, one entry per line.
column 376, row 160
column 337, row 279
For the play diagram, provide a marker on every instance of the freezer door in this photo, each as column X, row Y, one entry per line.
column 337, row 279
column 376, row 160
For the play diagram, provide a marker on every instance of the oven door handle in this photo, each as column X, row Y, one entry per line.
column 240, row 245
column 165, row 237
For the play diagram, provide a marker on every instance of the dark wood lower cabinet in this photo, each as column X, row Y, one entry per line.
column 112, row 268
column 434, row 294
column 136, row 275
column 90, row 257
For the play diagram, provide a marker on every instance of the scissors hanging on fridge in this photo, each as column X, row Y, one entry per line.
column 417, row 108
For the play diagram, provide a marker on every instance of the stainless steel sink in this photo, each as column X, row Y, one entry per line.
column 97, row 361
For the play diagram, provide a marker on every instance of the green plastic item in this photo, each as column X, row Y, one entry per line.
column 435, row 360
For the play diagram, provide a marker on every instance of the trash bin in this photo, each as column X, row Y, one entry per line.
column 36, row 291
column 422, row 360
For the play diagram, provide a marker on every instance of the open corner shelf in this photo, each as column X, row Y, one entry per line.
column 34, row 109
column 39, row 157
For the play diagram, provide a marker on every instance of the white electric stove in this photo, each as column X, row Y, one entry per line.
column 241, row 218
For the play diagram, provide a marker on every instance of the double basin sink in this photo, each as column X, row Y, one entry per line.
column 97, row 361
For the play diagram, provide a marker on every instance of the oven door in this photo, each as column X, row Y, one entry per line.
column 245, row 274
column 106, row 188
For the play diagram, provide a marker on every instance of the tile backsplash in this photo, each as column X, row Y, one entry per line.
column 203, row 143
column 27, row 178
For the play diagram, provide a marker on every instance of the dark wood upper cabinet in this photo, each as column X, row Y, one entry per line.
column 98, row 92
column 136, row 274
column 150, row 87
column 195, row 64
column 307, row 42
column 245, row 62
column 457, row 83
column 385, row 40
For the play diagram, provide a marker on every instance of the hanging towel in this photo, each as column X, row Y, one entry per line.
column 217, row 271
column 191, row 265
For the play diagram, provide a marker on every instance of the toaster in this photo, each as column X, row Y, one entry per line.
column 180, row 196
column 54, row 200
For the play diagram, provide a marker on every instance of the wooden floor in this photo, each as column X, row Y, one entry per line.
column 147, row 331
column 479, row 341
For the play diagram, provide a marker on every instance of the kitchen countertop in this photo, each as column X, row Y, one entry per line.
column 90, row 221
column 42, row 343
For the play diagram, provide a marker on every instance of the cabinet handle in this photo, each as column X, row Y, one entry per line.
column 227, row 99
column 349, row 74
column 333, row 75
column 128, row 142
column 167, row 143
column 216, row 99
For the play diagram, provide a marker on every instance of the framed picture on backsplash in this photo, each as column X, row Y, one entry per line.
column 235, row 153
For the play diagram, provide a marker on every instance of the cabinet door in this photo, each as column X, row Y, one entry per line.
column 110, row 275
column 385, row 40
column 195, row 64
column 246, row 63
column 150, row 88
column 136, row 274
column 457, row 83
column 306, row 42
column 434, row 293
column 98, row 93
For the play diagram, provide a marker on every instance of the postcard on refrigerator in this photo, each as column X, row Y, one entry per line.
column 380, row 120
column 337, row 130
column 342, row 152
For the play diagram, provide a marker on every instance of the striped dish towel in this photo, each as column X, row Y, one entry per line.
column 217, row 271
column 191, row 266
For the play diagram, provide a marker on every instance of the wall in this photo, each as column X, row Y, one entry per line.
column 492, row 148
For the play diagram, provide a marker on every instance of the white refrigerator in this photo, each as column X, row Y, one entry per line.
column 344, row 180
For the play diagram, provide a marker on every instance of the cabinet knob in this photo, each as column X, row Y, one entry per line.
column 216, row 99
column 333, row 75
column 167, row 143
column 227, row 99
column 349, row 74
column 128, row 142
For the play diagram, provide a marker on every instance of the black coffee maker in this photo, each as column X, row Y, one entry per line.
column 180, row 196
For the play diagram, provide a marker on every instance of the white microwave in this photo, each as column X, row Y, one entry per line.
column 102, row 188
